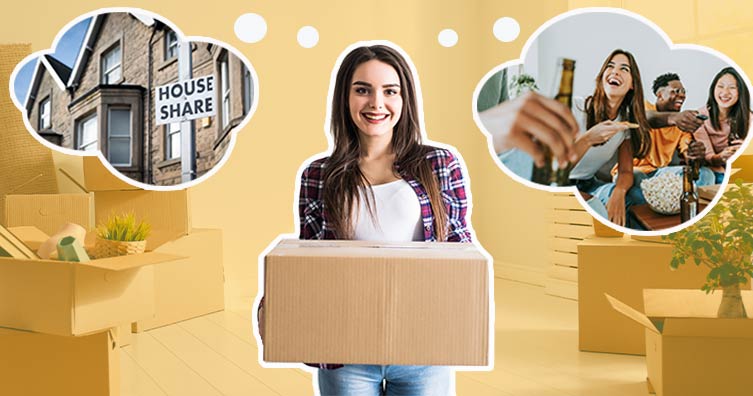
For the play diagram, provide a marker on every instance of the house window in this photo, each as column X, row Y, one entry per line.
column 225, row 86
column 111, row 65
column 171, row 45
column 248, row 89
column 173, row 140
column 86, row 130
column 44, row 114
column 119, row 136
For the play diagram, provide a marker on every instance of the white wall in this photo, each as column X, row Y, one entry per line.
column 590, row 38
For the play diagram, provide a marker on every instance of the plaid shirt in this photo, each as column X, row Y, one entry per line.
column 313, row 214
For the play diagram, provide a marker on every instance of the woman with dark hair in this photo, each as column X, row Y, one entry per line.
column 381, row 183
column 729, row 117
column 615, row 125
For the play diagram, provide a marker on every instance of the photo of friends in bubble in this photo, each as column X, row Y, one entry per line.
column 643, row 131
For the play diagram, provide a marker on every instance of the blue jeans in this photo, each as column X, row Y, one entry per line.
column 370, row 380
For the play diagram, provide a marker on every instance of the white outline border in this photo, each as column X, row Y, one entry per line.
column 464, row 169
column 672, row 47
column 139, row 13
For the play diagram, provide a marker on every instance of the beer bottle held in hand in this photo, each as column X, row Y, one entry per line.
column 689, row 198
column 550, row 173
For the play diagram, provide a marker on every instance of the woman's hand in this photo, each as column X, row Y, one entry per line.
column 603, row 131
column 516, row 123
column 728, row 152
column 616, row 207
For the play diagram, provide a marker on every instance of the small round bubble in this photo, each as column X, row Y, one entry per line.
column 447, row 38
column 506, row 29
column 308, row 36
column 250, row 28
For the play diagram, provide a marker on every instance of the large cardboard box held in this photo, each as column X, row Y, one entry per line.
column 376, row 303
column 189, row 287
column 689, row 351
column 36, row 364
column 622, row 267
column 70, row 299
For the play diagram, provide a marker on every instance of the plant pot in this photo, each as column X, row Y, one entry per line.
column 732, row 303
column 108, row 248
column 605, row 232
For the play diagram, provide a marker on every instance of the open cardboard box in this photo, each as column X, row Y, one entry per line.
column 622, row 267
column 36, row 364
column 690, row 352
column 72, row 299
column 362, row 302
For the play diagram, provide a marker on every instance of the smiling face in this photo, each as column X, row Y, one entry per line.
column 375, row 99
column 725, row 92
column 616, row 79
column 671, row 97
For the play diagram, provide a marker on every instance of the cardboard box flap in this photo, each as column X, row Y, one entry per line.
column 31, row 236
column 132, row 261
column 631, row 313
column 373, row 249
column 683, row 303
column 708, row 327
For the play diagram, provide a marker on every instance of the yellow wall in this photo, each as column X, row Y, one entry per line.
column 251, row 198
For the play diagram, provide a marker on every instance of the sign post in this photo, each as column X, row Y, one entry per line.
column 187, row 133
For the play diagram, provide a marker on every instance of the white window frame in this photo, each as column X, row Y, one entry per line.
column 106, row 73
column 225, row 90
column 171, row 45
column 169, row 133
column 129, row 138
column 45, row 117
column 82, row 145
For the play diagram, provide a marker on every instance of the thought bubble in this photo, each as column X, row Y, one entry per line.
column 308, row 36
column 447, row 38
column 506, row 29
column 600, row 67
column 148, row 111
column 250, row 28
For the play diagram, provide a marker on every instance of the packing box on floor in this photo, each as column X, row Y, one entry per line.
column 36, row 364
column 69, row 298
column 689, row 351
column 623, row 267
column 189, row 287
column 376, row 303
column 98, row 178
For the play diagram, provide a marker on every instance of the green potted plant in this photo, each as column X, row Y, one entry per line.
column 121, row 235
column 721, row 241
column 521, row 84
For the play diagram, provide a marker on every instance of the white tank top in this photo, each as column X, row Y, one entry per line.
column 398, row 214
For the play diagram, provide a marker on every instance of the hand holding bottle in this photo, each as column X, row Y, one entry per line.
column 521, row 122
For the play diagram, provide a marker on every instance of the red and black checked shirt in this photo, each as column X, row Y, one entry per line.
column 313, row 214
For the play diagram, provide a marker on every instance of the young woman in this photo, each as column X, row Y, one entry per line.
column 729, row 117
column 615, row 124
column 381, row 183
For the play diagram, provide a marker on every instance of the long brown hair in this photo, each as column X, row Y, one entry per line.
column 739, row 113
column 343, row 178
column 631, row 108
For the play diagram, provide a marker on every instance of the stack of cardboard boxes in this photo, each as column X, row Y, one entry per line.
column 67, row 319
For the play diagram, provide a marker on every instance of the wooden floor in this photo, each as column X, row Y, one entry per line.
column 536, row 355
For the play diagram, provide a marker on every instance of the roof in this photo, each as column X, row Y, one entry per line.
column 63, row 71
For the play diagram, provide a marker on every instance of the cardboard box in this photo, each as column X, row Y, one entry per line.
column 71, row 299
column 49, row 212
column 32, row 237
column 189, row 287
column 36, row 364
column 690, row 351
column 623, row 267
column 376, row 303
column 98, row 178
column 168, row 212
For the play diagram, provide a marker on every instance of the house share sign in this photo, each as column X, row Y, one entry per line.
column 185, row 100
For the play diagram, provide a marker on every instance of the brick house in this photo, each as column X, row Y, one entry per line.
column 106, row 101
